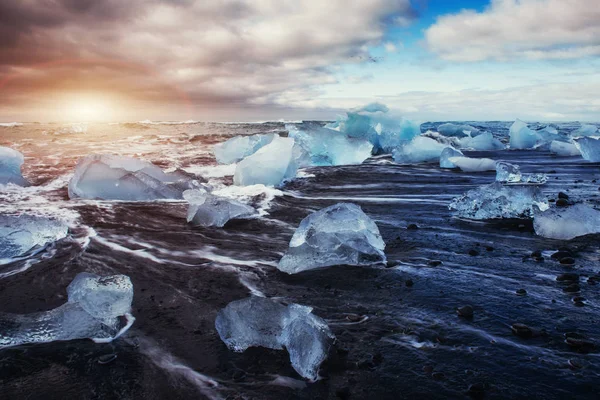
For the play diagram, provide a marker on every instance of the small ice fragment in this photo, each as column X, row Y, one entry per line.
column 207, row 209
column 420, row 149
column 10, row 167
column 111, row 177
column 567, row 223
column 269, row 166
column 564, row 149
column 445, row 157
column 93, row 310
column 23, row 234
column 467, row 164
column 496, row 201
column 336, row 235
column 240, row 147
column 589, row 148
column 263, row 322
column 507, row 172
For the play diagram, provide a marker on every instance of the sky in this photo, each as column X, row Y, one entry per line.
column 252, row 60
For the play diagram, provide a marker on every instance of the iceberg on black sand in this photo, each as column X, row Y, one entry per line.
column 262, row 322
column 94, row 310
column 111, row 177
column 207, row 209
column 341, row 234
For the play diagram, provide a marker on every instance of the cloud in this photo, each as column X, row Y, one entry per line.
column 229, row 52
column 517, row 29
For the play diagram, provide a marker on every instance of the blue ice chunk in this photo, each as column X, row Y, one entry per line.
column 457, row 130
column 564, row 149
column 10, row 167
column 521, row 137
column 445, row 157
column 270, row 165
column 420, row 149
column 585, row 130
column 589, row 148
column 207, row 209
column 240, row 147
column 24, row 234
column 482, row 142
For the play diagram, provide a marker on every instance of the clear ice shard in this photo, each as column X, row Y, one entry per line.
column 455, row 130
column 585, row 130
column 240, row 147
column 467, row 164
column 447, row 153
column 10, row 167
column 207, row 209
column 497, row 201
column 20, row 235
column 483, row 142
column 564, row 149
column 269, row 166
column 589, row 148
column 341, row 234
column 262, row 322
column 93, row 311
column 511, row 173
column 420, row 149
column 111, row 177
column 567, row 223
column 326, row 147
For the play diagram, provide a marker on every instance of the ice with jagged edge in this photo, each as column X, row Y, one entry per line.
column 445, row 156
column 522, row 137
column 468, row 164
column 270, row 165
column 585, row 130
column 373, row 123
column 10, row 167
column 206, row 209
column 457, row 130
column 23, row 234
column 336, row 235
column 262, row 322
column 95, row 309
column 564, row 149
column 326, row 147
column 511, row 173
column 496, row 201
column 112, row 177
column 240, row 147
column 567, row 223
column 589, row 148
column 420, row 149
column 482, row 142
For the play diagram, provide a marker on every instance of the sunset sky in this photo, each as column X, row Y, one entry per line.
column 246, row 60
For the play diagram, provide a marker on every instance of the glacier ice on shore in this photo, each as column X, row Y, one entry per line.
column 447, row 153
column 496, row 201
column 207, row 209
column 336, row 235
column 258, row 321
column 10, row 167
column 564, row 149
column 270, row 165
column 567, row 223
column 325, row 147
column 420, row 149
column 585, row 130
column 589, row 148
column 521, row 137
column 450, row 129
column 112, row 177
column 93, row 310
column 21, row 234
column 468, row 164
column 240, row 147
column 482, row 142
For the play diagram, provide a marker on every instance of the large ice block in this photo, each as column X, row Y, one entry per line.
column 207, row 209
column 567, row 223
column 457, row 130
column 24, row 234
column 270, row 165
column 521, row 137
column 496, row 201
column 589, row 148
column 483, row 142
column 325, row 147
column 420, row 149
column 263, row 322
column 240, row 147
column 10, row 167
column 93, row 311
column 111, row 177
column 447, row 153
column 564, row 149
column 336, row 235
column 467, row 164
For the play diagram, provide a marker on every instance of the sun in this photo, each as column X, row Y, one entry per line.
column 87, row 109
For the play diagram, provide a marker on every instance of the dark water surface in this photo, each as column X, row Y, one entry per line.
column 398, row 334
